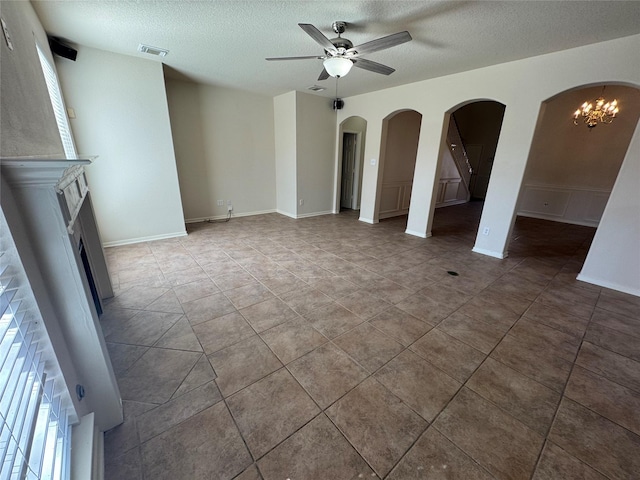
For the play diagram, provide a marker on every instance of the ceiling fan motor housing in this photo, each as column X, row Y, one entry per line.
column 340, row 42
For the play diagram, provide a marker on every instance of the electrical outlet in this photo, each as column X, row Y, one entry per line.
column 229, row 207
column 486, row 230
column 221, row 203
column 301, row 202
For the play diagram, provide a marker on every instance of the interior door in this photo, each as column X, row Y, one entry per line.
column 348, row 170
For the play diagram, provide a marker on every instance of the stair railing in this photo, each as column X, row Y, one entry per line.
column 458, row 152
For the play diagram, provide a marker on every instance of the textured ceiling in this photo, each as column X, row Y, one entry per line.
column 225, row 42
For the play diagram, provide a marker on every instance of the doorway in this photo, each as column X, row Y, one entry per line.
column 466, row 159
column 573, row 171
column 349, row 164
column 398, row 153
column 349, row 193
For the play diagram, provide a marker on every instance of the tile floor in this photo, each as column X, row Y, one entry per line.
column 326, row 348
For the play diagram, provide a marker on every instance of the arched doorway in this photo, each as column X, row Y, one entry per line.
column 398, row 151
column 352, row 140
column 466, row 160
column 572, row 170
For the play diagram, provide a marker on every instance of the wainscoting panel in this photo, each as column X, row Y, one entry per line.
column 451, row 191
column 395, row 199
column 581, row 206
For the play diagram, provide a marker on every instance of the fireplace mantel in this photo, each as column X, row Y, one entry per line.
column 47, row 204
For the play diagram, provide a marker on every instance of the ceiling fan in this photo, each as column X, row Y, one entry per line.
column 340, row 54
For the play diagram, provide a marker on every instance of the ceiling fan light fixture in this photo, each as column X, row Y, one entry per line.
column 337, row 66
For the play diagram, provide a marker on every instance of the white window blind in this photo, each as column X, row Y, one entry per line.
column 55, row 94
column 35, row 406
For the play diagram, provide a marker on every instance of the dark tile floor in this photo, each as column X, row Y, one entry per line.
column 326, row 348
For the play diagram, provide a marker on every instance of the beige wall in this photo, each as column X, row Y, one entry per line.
column 224, row 143
column 122, row 116
column 403, row 131
column 305, row 146
column 27, row 124
column 520, row 87
column 564, row 154
column 572, row 169
column 398, row 161
column 315, row 141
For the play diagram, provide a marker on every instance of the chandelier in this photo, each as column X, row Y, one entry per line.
column 601, row 113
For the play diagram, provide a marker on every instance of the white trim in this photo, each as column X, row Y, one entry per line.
column 367, row 220
column 83, row 448
column 286, row 214
column 451, row 203
column 315, row 214
column 98, row 455
column 554, row 218
column 610, row 285
column 490, row 253
column 417, row 234
column 233, row 215
column 562, row 188
column 151, row 238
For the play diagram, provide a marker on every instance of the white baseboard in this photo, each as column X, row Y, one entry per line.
column 417, row 234
column 451, row 203
column 286, row 214
column 610, row 285
column 151, row 238
column 367, row 220
column 394, row 213
column 555, row 218
column 233, row 215
column 315, row 214
column 490, row 253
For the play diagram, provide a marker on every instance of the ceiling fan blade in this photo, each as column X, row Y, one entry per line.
column 380, row 44
column 372, row 66
column 324, row 74
column 318, row 36
column 295, row 58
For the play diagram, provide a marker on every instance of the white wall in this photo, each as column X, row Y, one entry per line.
column 614, row 258
column 316, row 144
column 27, row 124
column 520, row 87
column 284, row 111
column 122, row 115
column 224, row 143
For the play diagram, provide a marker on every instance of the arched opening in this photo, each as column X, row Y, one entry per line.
column 352, row 140
column 573, row 169
column 398, row 151
column 465, row 164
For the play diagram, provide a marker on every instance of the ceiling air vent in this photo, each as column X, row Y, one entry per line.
column 161, row 52
column 316, row 88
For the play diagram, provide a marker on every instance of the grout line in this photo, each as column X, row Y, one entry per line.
column 304, row 235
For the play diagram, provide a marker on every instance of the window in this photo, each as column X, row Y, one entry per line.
column 35, row 406
column 55, row 94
